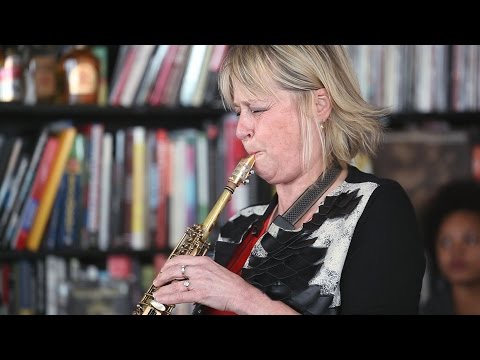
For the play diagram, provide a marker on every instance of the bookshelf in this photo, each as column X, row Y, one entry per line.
column 170, row 117
column 85, row 255
column 29, row 273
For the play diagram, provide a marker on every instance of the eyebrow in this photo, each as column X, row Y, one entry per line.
column 249, row 102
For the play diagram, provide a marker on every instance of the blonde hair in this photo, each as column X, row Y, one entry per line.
column 353, row 126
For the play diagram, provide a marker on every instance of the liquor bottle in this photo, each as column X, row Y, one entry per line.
column 11, row 76
column 41, row 74
column 79, row 73
column 2, row 61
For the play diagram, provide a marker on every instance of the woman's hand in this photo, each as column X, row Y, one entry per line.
column 188, row 279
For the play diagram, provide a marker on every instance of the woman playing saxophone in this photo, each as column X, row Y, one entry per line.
column 333, row 239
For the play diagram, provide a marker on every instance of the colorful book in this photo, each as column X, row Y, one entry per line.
column 138, row 188
column 65, row 142
column 29, row 211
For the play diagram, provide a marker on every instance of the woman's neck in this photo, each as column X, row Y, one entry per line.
column 287, row 195
column 466, row 299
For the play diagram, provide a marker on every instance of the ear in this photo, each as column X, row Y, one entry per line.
column 323, row 104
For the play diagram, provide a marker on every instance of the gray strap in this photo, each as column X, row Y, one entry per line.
column 309, row 197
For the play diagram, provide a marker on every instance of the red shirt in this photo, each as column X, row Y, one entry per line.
column 238, row 260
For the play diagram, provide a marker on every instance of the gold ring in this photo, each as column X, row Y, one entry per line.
column 186, row 283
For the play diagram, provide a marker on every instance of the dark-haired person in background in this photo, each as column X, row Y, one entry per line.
column 452, row 233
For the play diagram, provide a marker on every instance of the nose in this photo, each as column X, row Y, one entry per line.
column 245, row 128
column 458, row 248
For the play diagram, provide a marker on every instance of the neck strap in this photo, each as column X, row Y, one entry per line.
column 309, row 197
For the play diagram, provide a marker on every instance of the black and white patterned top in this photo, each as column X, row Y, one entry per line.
column 360, row 253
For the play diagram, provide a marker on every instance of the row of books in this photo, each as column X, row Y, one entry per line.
column 135, row 188
column 420, row 78
column 66, row 286
column 166, row 75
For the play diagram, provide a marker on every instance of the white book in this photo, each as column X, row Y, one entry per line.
column 136, row 73
column 199, row 91
column 177, row 207
column 192, row 74
column 94, row 176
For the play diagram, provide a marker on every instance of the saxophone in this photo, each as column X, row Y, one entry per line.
column 195, row 239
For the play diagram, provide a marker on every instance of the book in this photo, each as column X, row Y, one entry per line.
column 55, row 227
column 118, row 191
column 212, row 96
column 72, row 218
column 12, row 196
column 125, row 67
column 150, row 76
column 29, row 211
column 101, row 52
column 170, row 94
column 12, row 163
column 195, row 74
column 163, row 176
column 8, row 229
column 94, row 172
column 162, row 76
column 105, row 192
column 65, row 142
column 136, row 73
column 151, row 189
column 138, row 189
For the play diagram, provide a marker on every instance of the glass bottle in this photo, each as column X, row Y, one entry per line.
column 79, row 73
column 11, row 75
column 2, row 61
column 41, row 75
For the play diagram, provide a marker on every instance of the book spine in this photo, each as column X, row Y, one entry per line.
column 30, row 210
column 66, row 139
column 95, row 170
column 105, row 191
column 13, row 224
column 138, row 189
column 163, row 171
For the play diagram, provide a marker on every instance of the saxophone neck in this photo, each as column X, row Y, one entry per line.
column 239, row 176
column 213, row 215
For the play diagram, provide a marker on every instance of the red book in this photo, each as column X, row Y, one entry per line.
column 163, row 168
column 38, row 186
column 163, row 75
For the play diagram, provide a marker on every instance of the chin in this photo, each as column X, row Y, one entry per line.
column 262, row 174
column 463, row 279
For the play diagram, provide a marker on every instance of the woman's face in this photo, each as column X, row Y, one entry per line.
column 269, row 127
column 458, row 247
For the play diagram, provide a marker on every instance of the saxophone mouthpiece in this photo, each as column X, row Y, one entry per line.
column 250, row 161
column 243, row 170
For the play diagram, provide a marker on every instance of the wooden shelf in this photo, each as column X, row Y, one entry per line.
column 453, row 118
column 82, row 254
column 19, row 115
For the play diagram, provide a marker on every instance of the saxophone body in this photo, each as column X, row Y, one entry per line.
column 195, row 239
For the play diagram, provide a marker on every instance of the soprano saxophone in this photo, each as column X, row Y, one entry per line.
column 195, row 239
